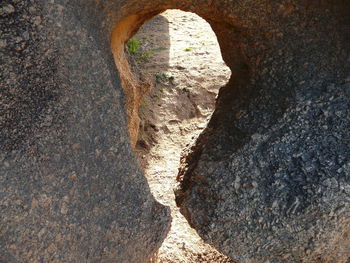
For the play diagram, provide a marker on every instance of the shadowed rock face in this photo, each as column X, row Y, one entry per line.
column 70, row 189
column 268, row 180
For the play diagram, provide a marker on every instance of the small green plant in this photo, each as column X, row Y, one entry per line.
column 159, row 49
column 148, row 52
column 133, row 45
column 162, row 76
column 188, row 49
column 141, row 55
column 146, row 55
column 143, row 104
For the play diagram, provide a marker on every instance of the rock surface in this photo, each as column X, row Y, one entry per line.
column 268, row 181
column 70, row 190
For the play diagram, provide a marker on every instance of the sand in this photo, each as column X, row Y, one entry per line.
column 180, row 55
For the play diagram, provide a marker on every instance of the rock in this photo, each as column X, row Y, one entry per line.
column 2, row 43
column 8, row 9
column 70, row 187
column 347, row 89
column 277, row 188
column 277, row 162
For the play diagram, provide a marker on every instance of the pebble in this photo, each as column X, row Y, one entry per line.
column 32, row 9
column 37, row 20
column 64, row 209
column 26, row 35
column 8, row 9
column 2, row 43
column 275, row 204
column 18, row 39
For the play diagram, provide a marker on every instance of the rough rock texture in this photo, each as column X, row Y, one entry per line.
column 70, row 190
column 268, row 181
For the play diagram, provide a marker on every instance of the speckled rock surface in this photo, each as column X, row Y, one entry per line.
column 269, row 179
column 70, row 190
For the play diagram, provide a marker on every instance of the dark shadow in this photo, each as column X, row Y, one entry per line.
column 151, row 62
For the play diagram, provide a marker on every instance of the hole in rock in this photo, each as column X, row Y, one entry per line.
column 176, row 61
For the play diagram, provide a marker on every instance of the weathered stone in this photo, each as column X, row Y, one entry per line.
column 278, row 146
column 8, row 9
column 70, row 190
column 277, row 187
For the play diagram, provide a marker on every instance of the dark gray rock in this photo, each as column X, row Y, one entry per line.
column 269, row 179
column 70, row 190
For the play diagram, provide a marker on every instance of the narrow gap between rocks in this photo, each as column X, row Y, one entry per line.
column 176, row 70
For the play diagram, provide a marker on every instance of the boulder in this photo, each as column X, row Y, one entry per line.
column 70, row 190
column 269, row 179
